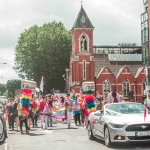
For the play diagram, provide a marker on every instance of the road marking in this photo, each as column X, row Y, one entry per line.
column 6, row 145
column 47, row 131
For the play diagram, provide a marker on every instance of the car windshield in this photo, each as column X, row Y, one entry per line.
column 2, row 97
column 124, row 108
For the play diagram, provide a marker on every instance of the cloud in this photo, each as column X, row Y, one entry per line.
column 115, row 21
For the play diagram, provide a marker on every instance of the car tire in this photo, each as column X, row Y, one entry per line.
column 90, row 133
column 2, row 134
column 107, row 140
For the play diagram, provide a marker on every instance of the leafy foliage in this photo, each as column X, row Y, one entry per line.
column 44, row 51
column 13, row 85
column 2, row 89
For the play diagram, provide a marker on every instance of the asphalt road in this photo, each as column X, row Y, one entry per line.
column 59, row 137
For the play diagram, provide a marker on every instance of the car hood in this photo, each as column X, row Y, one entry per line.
column 129, row 118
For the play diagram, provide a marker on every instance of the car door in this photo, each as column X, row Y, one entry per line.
column 97, row 116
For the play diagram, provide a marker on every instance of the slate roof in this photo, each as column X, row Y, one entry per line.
column 101, row 62
column 82, row 20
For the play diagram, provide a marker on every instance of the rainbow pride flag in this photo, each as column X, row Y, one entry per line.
column 59, row 114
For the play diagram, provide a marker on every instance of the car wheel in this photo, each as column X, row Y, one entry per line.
column 2, row 133
column 107, row 137
column 90, row 133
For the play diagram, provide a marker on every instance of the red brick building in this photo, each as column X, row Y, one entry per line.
column 105, row 65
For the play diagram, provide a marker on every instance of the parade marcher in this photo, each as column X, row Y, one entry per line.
column 76, row 111
column 35, row 111
column 44, row 112
column 80, row 100
column 89, row 105
column 49, row 101
column 68, row 105
column 17, row 101
column 23, row 108
column 113, row 97
column 22, row 118
column 147, row 102
column 10, row 110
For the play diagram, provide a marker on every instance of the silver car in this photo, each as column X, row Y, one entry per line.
column 120, row 122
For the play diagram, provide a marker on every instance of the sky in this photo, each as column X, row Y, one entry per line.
column 115, row 21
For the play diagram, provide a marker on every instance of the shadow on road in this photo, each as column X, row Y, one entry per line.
column 33, row 134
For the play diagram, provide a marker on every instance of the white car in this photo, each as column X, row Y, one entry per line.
column 3, row 99
column 3, row 130
column 120, row 123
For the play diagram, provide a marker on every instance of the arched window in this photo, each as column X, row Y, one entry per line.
column 84, row 70
column 126, row 86
column 143, row 86
column 84, row 43
column 106, row 87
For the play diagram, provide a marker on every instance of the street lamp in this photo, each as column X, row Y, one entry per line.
column 95, row 80
column 67, row 80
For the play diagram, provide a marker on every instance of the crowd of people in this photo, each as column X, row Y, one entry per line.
column 41, row 109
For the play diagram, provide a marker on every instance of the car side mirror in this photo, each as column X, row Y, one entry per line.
column 98, row 113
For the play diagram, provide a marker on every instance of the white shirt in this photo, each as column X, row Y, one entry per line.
column 110, row 97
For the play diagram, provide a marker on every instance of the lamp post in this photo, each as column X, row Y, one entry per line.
column 95, row 80
column 67, row 80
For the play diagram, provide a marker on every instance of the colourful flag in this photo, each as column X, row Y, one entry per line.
column 144, row 113
column 59, row 114
column 42, row 84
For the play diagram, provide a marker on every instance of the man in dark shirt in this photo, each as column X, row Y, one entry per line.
column 10, row 110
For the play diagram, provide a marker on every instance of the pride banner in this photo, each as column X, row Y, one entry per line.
column 27, row 84
column 59, row 114
column 86, row 86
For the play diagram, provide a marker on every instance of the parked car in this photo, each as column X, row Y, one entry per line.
column 3, row 130
column 120, row 123
column 3, row 99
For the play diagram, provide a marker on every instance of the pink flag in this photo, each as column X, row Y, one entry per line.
column 144, row 113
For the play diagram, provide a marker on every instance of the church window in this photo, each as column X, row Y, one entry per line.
column 126, row 86
column 83, row 43
column 143, row 86
column 84, row 70
column 106, row 87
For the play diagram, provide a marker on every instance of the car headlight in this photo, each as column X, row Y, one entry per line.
column 113, row 125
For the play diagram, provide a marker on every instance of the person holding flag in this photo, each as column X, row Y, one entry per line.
column 113, row 97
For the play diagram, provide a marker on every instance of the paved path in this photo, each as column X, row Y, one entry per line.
column 59, row 137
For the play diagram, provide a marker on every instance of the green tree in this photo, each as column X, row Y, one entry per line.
column 2, row 89
column 13, row 85
column 44, row 51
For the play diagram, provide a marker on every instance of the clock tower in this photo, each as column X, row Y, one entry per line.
column 82, row 66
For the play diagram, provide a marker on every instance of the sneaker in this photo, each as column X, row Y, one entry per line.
column 27, row 131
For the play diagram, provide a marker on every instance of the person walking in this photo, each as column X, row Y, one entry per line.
column 76, row 111
column 22, row 118
column 44, row 112
column 17, row 101
column 68, row 105
column 10, row 109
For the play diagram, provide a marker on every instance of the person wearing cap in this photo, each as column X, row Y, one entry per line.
column 10, row 110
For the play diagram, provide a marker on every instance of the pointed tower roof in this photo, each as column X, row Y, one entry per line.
column 82, row 20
